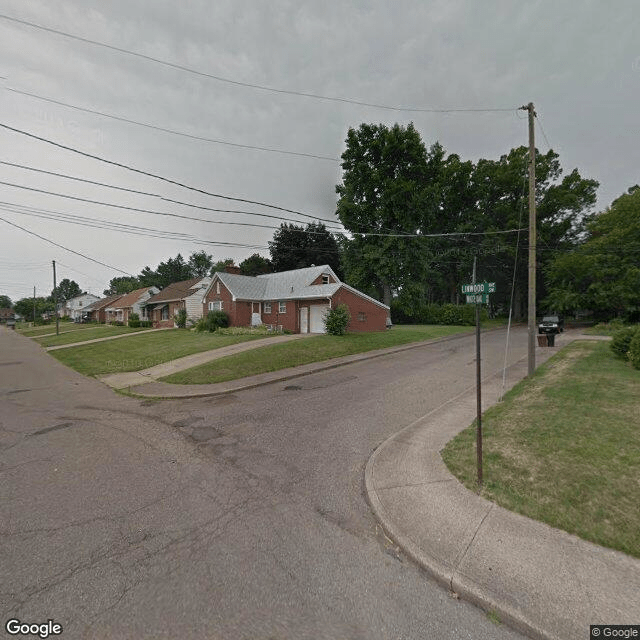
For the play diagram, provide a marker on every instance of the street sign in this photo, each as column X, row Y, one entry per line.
column 478, row 298
column 479, row 287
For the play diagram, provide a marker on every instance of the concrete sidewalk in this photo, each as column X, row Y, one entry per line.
column 148, row 377
column 540, row 580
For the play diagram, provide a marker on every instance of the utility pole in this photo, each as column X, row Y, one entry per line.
column 34, row 306
column 531, row 361
column 55, row 298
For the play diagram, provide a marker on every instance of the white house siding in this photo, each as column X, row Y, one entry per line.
column 193, row 305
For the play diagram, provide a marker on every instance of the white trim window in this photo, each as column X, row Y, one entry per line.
column 165, row 312
column 267, row 307
column 325, row 278
column 282, row 307
column 218, row 287
column 216, row 305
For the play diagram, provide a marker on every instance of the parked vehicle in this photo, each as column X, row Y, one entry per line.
column 551, row 324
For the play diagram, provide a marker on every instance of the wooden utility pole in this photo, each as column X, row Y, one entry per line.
column 34, row 306
column 531, row 361
column 55, row 299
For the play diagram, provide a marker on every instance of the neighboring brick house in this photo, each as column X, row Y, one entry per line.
column 75, row 308
column 97, row 312
column 293, row 300
column 133, row 302
column 187, row 294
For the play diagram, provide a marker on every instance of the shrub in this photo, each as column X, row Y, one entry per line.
column 621, row 340
column 212, row 321
column 181, row 319
column 337, row 319
column 634, row 350
column 134, row 320
column 146, row 323
column 117, row 323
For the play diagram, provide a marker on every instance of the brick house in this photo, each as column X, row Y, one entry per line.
column 291, row 300
column 97, row 312
column 187, row 294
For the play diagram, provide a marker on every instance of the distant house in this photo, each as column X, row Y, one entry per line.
column 74, row 308
column 187, row 294
column 6, row 314
column 97, row 312
column 294, row 300
column 120, row 310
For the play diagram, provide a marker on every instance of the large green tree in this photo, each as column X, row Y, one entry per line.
column 25, row 307
column 122, row 284
column 200, row 263
column 296, row 247
column 602, row 273
column 383, row 195
column 66, row 290
column 5, row 302
column 255, row 265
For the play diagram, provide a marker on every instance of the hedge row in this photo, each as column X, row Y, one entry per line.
column 459, row 314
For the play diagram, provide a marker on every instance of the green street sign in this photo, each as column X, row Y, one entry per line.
column 478, row 298
column 479, row 287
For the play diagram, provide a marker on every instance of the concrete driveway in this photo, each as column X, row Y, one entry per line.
column 238, row 516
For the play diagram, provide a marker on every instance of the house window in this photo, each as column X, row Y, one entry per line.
column 282, row 307
column 267, row 307
column 215, row 306
column 165, row 312
column 325, row 278
column 218, row 288
column 362, row 317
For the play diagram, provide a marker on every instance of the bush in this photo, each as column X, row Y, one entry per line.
column 181, row 318
column 213, row 321
column 117, row 323
column 146, row 323
column 634, row 350
column 336, row 320
column 621, row 341
column 134, row 320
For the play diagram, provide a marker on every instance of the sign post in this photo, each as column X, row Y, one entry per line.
column 478, row 293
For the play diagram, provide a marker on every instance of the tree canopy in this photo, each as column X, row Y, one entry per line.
column 255, row 265
column 296, row 247
column 5, row 302
column 602, row 273
column 66, row 290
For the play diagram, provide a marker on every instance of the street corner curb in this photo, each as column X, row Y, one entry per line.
column 457, row 585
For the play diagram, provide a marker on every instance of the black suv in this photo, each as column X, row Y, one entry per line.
column 551, row 324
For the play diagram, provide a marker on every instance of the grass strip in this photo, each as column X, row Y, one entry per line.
column 98, row 332
column 142, row 351
column 564, row 447
column 311, row 349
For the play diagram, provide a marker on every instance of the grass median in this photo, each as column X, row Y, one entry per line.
column 65, row 327
column 142, row 351
column 311, row 349
column 564, row 447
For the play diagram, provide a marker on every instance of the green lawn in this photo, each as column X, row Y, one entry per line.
column 64, row 327
column 564, row 447
column 311, row 349
column 142, row 351
column 90, row 334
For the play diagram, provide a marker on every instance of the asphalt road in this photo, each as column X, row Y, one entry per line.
column 239, row 516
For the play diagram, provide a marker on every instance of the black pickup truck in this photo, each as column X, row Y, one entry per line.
column 551, row 324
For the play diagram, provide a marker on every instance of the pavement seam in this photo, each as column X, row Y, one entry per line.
column 463, row 553
column 415, row 484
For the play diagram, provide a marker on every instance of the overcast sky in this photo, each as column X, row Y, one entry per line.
column 579, row 62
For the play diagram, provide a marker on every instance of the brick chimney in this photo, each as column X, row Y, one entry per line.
column 231, row 268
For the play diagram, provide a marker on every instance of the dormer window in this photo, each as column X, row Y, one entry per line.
column 325, row 278
column 218, row 288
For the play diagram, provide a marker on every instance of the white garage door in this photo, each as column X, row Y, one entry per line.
column 316, row 318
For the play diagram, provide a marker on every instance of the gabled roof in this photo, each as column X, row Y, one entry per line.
column 177, row 291
column 284, row 285
column 103, row 302
column 129, row 299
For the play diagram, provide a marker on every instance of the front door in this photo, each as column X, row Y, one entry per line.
column 304, row 319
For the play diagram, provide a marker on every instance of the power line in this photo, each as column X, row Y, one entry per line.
column 173, row 131
column 248, row 85
column 162, row 178
column 82, row 255
column 147, row 193
column 544, row 135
